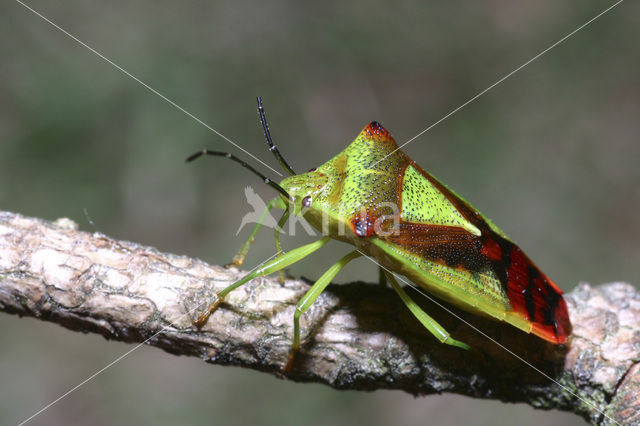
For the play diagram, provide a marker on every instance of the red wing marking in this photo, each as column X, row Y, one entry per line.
column 531, row 293
column 492, row 250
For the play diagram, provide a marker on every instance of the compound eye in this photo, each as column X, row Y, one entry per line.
column 306, row 201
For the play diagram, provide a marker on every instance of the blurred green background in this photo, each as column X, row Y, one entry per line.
column 551, row 155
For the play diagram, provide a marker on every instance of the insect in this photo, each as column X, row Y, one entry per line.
column 373, row 196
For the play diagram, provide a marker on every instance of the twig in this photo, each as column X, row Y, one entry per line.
column 357, row 336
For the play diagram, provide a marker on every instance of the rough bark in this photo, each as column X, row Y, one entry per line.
column 356, row 336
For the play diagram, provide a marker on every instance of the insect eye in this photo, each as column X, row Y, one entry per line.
column 306, row 201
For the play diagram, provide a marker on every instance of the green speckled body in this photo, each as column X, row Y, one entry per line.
column 375, row 197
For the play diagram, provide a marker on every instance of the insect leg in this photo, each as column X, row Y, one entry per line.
column 281, row 222
column 382, row 277
column 429, row 323
column 307, row 300
column 268, row 267
column 238, row 259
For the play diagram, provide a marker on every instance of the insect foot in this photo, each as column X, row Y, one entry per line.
column 290, row 359
column 235, row 263
column 204, row 317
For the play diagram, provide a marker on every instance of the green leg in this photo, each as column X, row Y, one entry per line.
column 266, row 268
column 429, row 323
column 307, row 300
column 382, row 277
column 281, row 223
column 238, row 259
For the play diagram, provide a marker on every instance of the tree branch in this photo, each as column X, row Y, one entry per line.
column 356, row 336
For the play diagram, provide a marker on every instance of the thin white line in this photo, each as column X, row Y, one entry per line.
column 89, row 378
column 266, row 165
column 422, row 292
column 119, row 358
column 148, row 87
column 502, row 79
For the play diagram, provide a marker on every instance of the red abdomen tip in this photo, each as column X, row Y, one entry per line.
column 537, row 298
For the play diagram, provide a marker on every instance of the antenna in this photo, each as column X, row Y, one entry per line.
column 243, row 164
column 272, row 147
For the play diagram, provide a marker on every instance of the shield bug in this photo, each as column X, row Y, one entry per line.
column 434, row 237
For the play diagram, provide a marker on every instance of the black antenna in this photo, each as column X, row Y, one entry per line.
column 243, row 164
column 272, row 147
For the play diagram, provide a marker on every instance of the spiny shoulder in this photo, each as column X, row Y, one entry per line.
column 374, row 149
